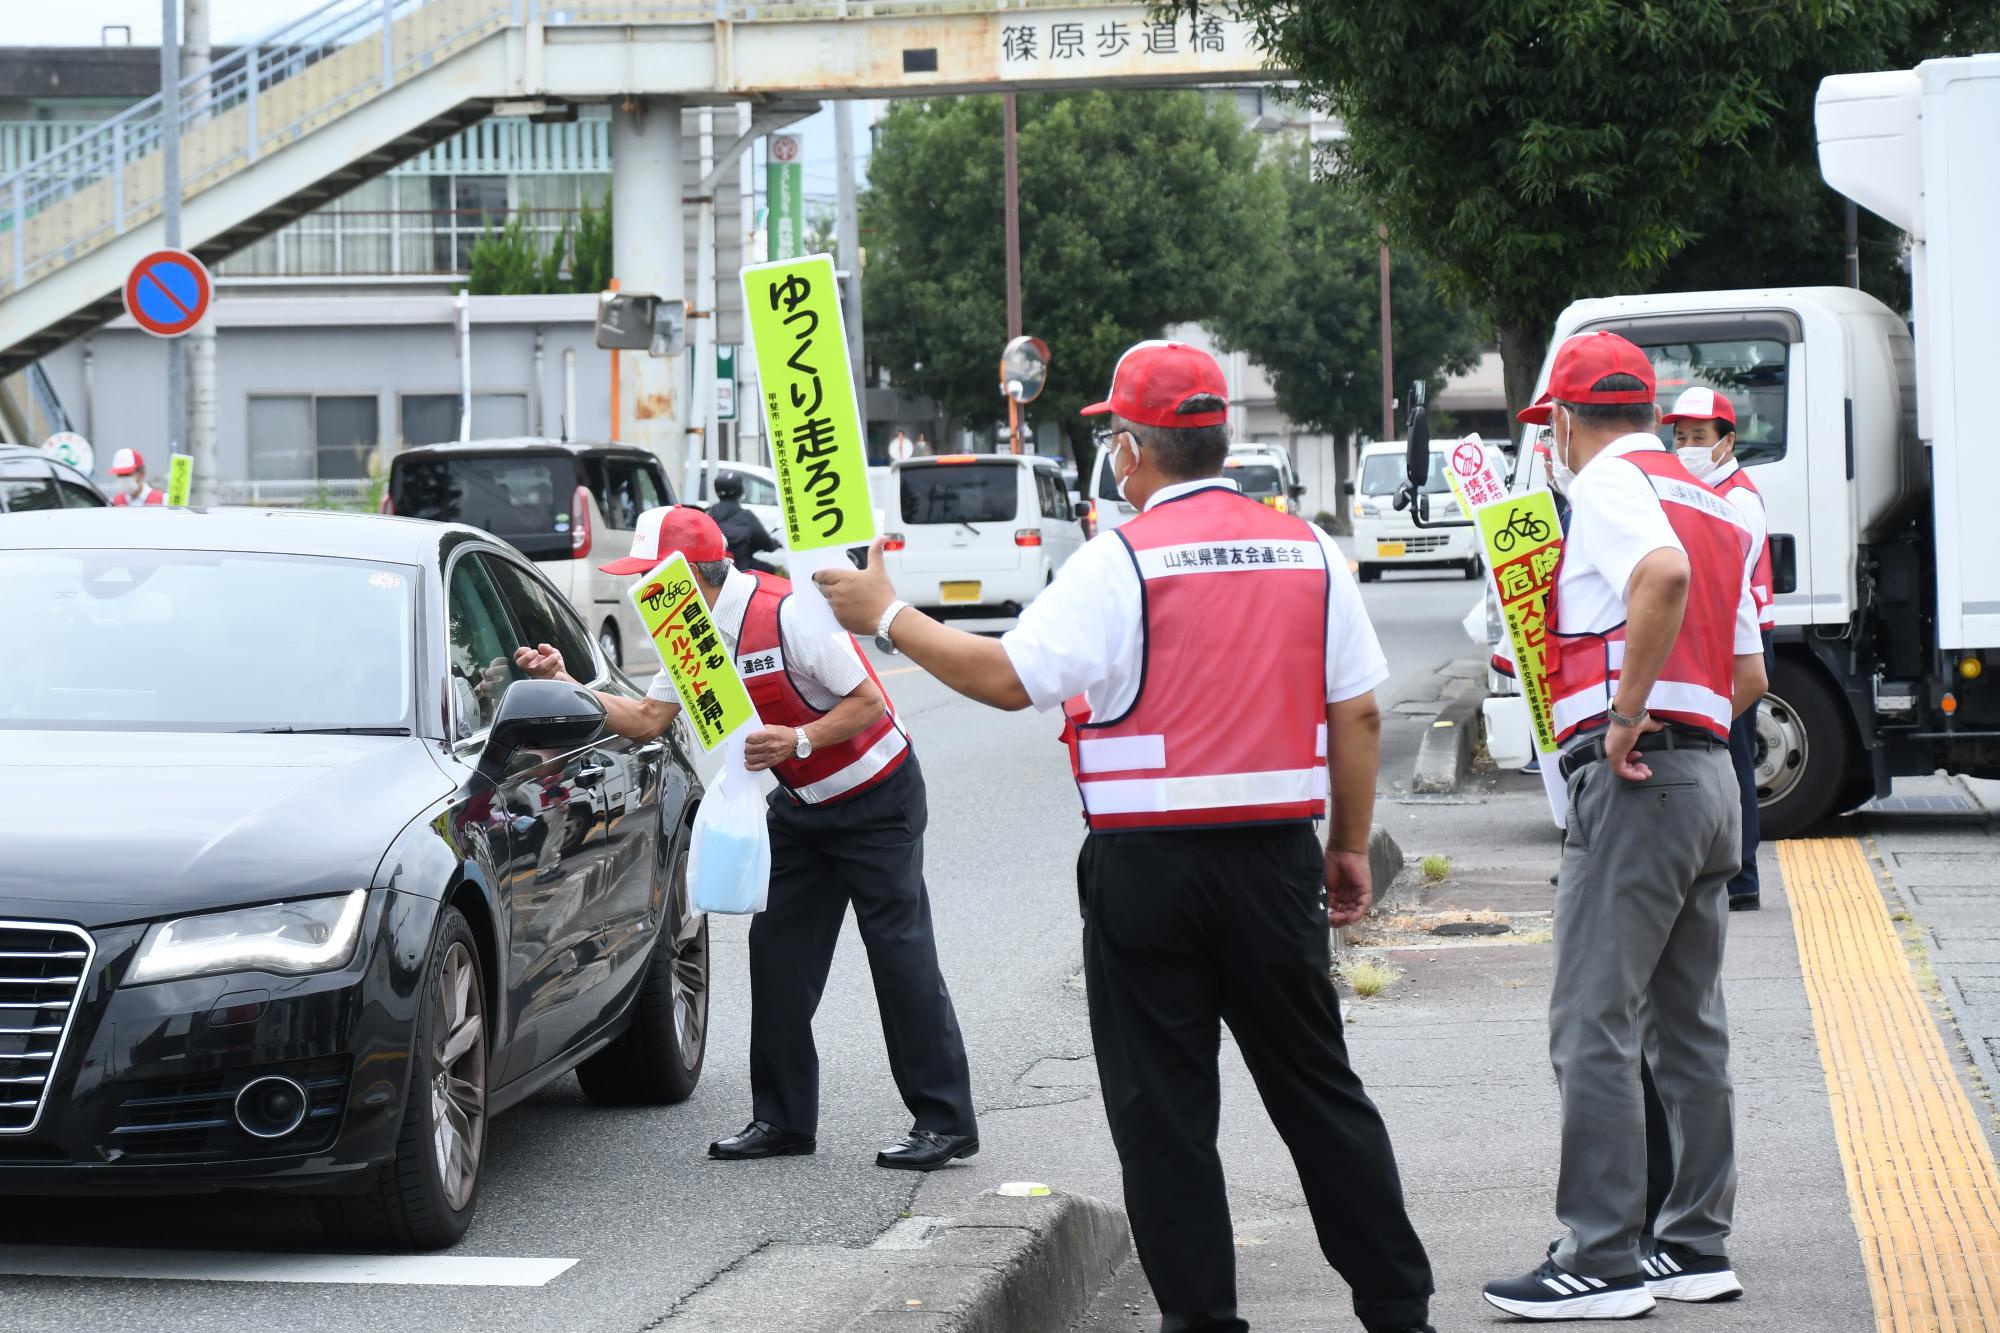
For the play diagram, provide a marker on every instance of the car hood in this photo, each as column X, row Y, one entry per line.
column 102, row 827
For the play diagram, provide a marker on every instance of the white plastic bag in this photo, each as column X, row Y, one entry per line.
column 729, row 855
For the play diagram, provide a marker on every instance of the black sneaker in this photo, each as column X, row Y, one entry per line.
column 1744, row 902
column 1676, row 1273
column 1553, row 1292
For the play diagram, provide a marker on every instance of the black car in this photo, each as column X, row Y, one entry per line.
column 30, row 480
column 300, row 880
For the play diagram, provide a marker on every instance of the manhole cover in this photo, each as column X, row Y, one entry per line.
column 1471, row 928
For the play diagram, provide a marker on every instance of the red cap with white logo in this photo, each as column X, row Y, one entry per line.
column 1581, row 362
column 1154, row 378
column 672, row 528
column 1702, row 404
column 127, row 461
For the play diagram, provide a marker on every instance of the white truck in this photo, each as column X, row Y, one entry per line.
column 1876, row 453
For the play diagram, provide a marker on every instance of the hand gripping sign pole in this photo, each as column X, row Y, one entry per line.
column 1522, row 540
column 811, row 419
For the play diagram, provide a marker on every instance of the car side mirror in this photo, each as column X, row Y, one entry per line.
column 1081, row 509
column 541, row 715
column 1347, row 488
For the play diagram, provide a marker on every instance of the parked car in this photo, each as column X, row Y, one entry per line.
column 303, row 881
column 561, row 503
column 1264, row 472
column 1388, row 538
column 979, row 534
column 30, row 479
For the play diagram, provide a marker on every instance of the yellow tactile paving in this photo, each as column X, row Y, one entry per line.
column 1920, row 1176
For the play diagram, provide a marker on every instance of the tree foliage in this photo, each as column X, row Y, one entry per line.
column 1536, row 151
column 1317, row 331
column 513, row 261
column 1139, row 210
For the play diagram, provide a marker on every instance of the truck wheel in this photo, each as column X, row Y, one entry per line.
column 1474, row 567
column 1804, row 750
column 1368, row 573
column 658, row 1059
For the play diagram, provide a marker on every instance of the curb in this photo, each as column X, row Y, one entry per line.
column 1006, row 1265
column 1446, row 751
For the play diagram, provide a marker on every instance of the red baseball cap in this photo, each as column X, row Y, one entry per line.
column 1580, row 363
column 663, row 531
column 1702, row 404
column 127, row 461
column 1154, row 378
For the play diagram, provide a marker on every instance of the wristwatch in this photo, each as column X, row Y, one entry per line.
column 882, row 639
column 1618, row 719
column 803, row 746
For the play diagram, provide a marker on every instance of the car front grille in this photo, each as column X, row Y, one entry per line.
column 1425, row 542
column 194, row 1116
column 42, row 969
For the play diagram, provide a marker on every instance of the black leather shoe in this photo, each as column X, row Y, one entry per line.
column 923, row 1150
column 760, row 1138
column 1744, row 902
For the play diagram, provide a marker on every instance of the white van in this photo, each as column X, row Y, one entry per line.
column 978, row 534
column 1388, row 538
column 1264, row 472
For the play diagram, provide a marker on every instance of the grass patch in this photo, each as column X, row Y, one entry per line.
column 1536, row 937
column 1436, row 868
column 1370, row 977
column 1917, row 949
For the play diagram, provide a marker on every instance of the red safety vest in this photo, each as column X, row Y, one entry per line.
column 1696, row 684
column 1760, row 572
column 154, row 496
column 1229, row 726
column 831, row 772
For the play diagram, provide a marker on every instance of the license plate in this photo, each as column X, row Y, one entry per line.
column 1388, row 550
column 958, row 592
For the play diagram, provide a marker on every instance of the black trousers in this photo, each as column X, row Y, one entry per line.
column 867, row 850
column 1182, row 932
column 1743, row 756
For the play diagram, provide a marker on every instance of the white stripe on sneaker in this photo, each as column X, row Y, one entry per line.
column 1668, row 1260
column 1555, row 1286
column 1595, row 1282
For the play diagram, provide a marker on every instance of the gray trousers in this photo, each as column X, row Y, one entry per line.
column 1641, row 912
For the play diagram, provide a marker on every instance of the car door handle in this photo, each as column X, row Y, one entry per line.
column 589, row 775
column 650, row 750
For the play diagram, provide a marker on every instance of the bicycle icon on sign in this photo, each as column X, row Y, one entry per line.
column 1520, row 526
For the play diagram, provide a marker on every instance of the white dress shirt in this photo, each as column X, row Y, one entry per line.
column 1085, row 633
column 824, row 667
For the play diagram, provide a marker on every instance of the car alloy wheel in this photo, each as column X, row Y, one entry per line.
column 690, row 970
column 458, row 1076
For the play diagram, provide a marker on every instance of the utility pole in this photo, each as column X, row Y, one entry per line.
column 847, row 224
column 1010, row 151
column 200, row 343
column 1388, row 348
column 170, row 207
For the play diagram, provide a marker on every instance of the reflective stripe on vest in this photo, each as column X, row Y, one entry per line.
column 1229, row 726
column 1760, row 572
column 1695, row 684
column 830, row 772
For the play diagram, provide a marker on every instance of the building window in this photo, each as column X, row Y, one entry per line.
column 469, row 206
column 301, row 437
column 432, row 418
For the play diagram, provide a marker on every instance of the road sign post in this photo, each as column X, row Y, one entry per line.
column 167, row 293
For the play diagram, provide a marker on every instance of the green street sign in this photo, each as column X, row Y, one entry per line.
column 784, row 183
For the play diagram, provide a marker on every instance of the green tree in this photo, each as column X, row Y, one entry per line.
column 1139, row 210
column 506, row 262
column 1318, row 331
column 1535, row 151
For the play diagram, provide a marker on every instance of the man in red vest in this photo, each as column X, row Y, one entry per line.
column 1214, row 663
column 130, row 465
column 847, row 824
column 1652, row 651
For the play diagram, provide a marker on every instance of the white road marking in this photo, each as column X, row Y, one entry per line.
column 428, row 1270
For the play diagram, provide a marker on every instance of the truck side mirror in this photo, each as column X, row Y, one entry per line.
column 1784, row 563
column 1347, row 487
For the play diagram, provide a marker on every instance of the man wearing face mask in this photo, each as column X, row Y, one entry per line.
column 1704, row 423
column 1653, row 649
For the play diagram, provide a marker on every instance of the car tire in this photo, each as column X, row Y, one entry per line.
column 1474, row 567
column 1805, row 750
column 420, row 1202
column 1368, row 573
column 658, row 1059
column 608, row 644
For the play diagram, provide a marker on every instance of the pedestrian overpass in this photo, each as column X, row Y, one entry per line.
column 299, row 116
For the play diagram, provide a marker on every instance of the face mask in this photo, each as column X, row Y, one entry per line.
column 1699, row 460
column 1561, row 475
column 1118, row 480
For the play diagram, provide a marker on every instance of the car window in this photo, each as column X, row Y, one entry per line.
column 75, row 495
column 482, row 647
column 1054, row 495
column 1381, row 474
column 756, row 490
column 522, row 499
column 27, row 483
column 961, row 493
column 629, row 490
column 543, row 617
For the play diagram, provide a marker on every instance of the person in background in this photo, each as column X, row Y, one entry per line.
column 923, row 446
column 130, row 465
column 743, row 530
column 900, row 448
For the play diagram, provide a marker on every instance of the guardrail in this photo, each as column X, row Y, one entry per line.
column 295, row 494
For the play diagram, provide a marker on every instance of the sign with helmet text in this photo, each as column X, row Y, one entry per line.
column 692, row 652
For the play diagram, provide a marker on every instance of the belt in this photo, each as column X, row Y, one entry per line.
column 1675, row 737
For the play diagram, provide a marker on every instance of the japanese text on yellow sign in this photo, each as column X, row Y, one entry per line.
column 683, row 633
column 800, row 344
column 180, row 476
column 1523, row 541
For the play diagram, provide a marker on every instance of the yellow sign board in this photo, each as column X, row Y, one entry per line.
column 691, row 650
column 800, row 346
column 180, row 476
column 1523, row 541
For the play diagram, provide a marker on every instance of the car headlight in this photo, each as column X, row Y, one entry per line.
column 1367, row 509
column 292, row 939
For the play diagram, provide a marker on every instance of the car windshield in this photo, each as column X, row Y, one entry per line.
column 524, row 499
column 961, row 493
column 1381, row 474
column 110, row 640
column 1255, row 478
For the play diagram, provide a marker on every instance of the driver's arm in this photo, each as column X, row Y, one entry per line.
column 635, row 719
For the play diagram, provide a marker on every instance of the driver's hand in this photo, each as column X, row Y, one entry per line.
column 542, row 662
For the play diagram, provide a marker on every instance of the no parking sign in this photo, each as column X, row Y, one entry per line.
column 167, row 293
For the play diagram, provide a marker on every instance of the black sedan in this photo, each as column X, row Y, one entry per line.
column 300, row 880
